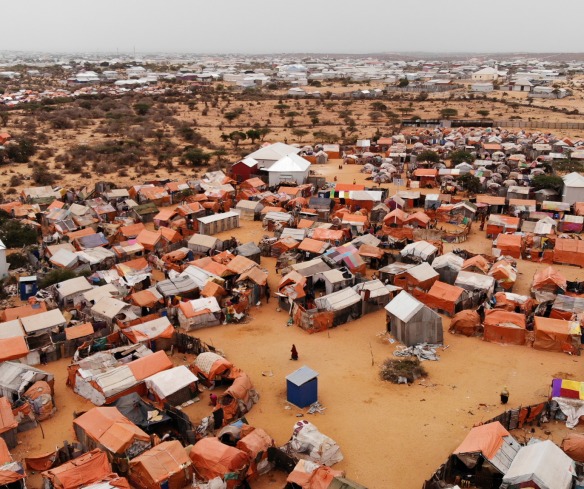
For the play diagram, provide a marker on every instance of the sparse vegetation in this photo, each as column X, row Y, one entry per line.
column 394, row 370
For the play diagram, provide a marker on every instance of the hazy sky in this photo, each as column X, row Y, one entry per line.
column 275, row 26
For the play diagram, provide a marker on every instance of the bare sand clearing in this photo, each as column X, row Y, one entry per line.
column 391, row 435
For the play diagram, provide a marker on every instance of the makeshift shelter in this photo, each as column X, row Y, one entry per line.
column 313, row 247
column 396, row 218
column 334, row 280
column 465, row 322
column 509, row 244
column 106, row 376
column 556, row 335
column 308, row 475
column 143, row 414
column 445, row 298
column 202, row 244
column 14, row 347
column 543, row 465
column 334, row 237
column 85, row 471
column 283, row 245
column 448, row 266
column 344, row 304
column 157, row 333
column 379, row 212
column 212, row 459
column 420, row 277
column 302, row 387
column 109, row 309
column 210, row 366
column 256, row 445
column 17, row 378
column 217, row 223
column 43, row 322
column 505, row 274
column 476, row 264
column 571, row 224
column 249, row 250
column 488, row 449
column 347, row 256
column 547, row 284
column 164, row 466
column 41, row 401
column 174, row 386
column 411, row 322
column 504, row 327
column 238, row 398
column 199, row 313
column 68, row 290
column 8, row 424
column 308, row 443
column 573, row 446
column 573, row 190
column 513, row 302
column 110, row 430
column 374, row 295
column 499, row 223
column 418, row 252
column 569, row 394
column 388, row 273
column 475, row 283
column 249, row 210
column 179, row 285
column 567, row 307
column 12, row 475
column 569, row 251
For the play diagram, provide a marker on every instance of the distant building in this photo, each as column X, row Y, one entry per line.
column 481, row 87
column 486, row 74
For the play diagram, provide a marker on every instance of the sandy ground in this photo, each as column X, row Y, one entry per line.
column 331, row 115
column 391, row 435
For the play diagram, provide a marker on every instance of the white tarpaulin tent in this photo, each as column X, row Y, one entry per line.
column 308, row 443
column 338, row 300
column 43, row 321
column 542, row 463
column 168, row 382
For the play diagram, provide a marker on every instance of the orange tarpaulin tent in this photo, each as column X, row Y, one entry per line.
column 166, row 463
column 255, row 444
column 504, row 327
column 211, row 459
column 7, row 476
column 569, row 251
column 554, row 334
column 13, row 348
column 308, row 476
column 573, row 446
column 149, row 365
column 443, row 296
column 509, row 244
column 486, row 440
column 87, row 469
column 108, row 428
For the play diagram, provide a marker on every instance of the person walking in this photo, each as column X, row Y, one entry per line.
column 294, row 353
column 267, row 292
column 504, row 395
column 212, row 399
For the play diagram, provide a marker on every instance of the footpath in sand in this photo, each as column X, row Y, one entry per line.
column 390, row 435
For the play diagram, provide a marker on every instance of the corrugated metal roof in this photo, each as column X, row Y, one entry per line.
column 302, row 375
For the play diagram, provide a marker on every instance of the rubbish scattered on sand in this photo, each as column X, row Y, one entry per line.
column 316, row 408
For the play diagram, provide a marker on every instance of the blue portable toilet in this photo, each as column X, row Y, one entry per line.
column 302, row 387
column 27, row 287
